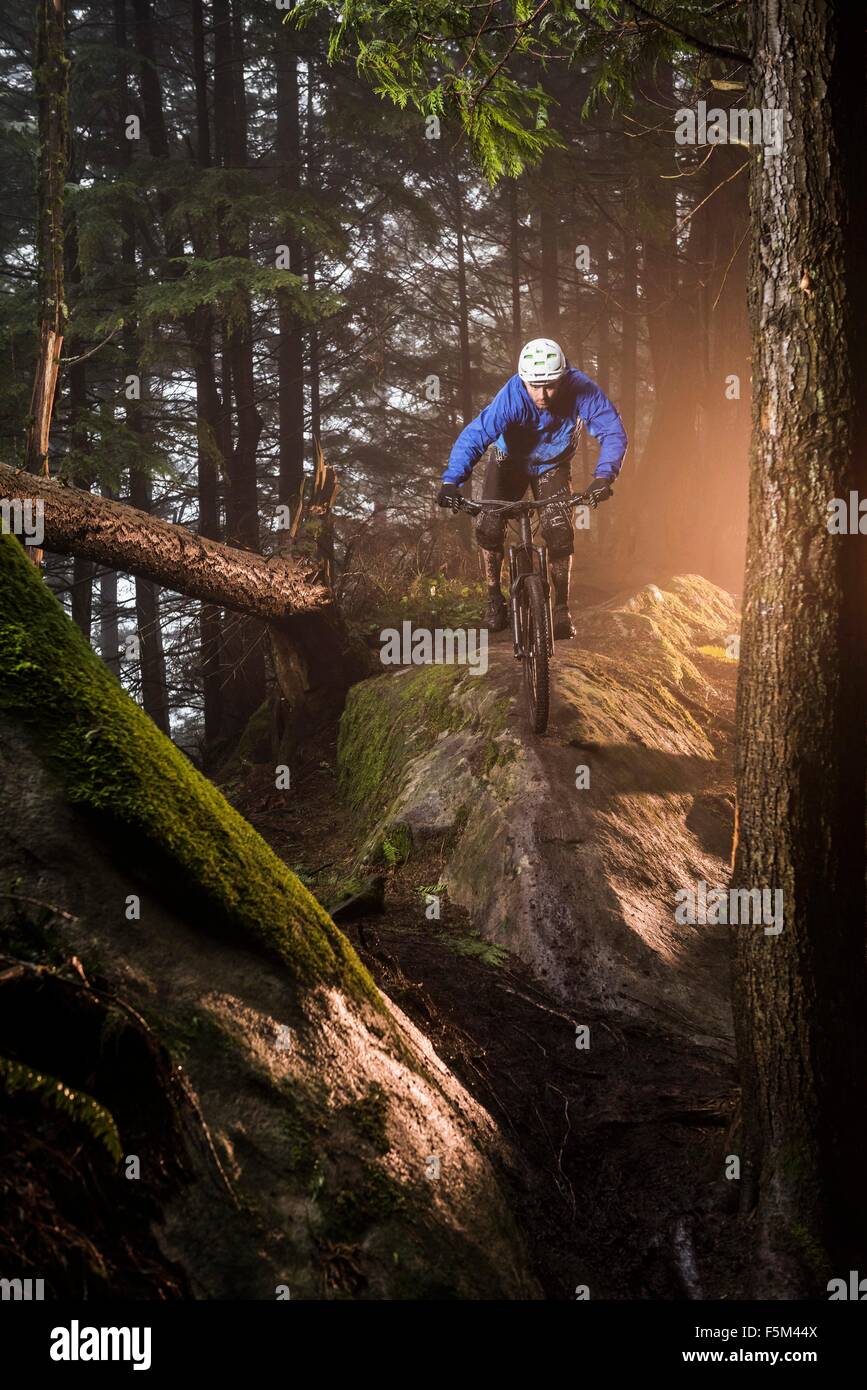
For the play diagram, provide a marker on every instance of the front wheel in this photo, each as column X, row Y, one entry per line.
column 535, row 644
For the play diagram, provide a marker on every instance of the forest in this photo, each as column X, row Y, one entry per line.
column 343, row 955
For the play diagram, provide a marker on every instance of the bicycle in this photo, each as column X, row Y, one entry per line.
column 530, row 592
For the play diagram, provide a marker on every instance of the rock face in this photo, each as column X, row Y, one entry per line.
column 569, row 849
column 328, row 1152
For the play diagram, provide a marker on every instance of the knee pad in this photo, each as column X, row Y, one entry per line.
column 490, row 530
column 557, row 531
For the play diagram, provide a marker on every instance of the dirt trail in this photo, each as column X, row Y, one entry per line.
column 578, row 843
column 619, row 1147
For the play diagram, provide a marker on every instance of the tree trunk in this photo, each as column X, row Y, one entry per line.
column 290, row 360
column 726, row 405
column 207, row 435
column 154, row 692
column 463, row 311
column 801, row 996
column 52, row 86
column 603, row 322
column 109, row 643
column 515, row 267
column 667, row 503
column 549, row 219
column 629, row 318
column 244, row 646
column 82, row 570
column 200, row 78
column 243, row 510
column 200, row 327
column 313, row 180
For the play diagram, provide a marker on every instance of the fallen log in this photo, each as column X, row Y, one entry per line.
column 315, row 656
column 119, row 537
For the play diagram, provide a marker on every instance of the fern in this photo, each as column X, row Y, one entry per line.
column 77, row 1106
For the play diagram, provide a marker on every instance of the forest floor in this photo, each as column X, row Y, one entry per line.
column 618, row 1169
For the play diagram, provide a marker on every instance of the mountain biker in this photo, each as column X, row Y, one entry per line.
column 535, row 421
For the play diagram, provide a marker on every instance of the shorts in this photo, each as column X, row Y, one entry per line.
column 509, row 479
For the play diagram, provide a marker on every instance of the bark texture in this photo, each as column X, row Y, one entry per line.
column 120, row 537
column 801, row 996
column 52, row 84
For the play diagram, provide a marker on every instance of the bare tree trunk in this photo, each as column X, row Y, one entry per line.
column 200, row 78
column 82, row 570
column 629, row 318
column 290, row 360
column 82, row 596
column 801, row 995
column 208, row 414
column 727, row 397
column 154, row 692
column 515, row 267
column 313, row 181
column 463, row 310
column 244, row 658
column 109, row 643
column 52, row 86
column 549, row 219
column 603, row 322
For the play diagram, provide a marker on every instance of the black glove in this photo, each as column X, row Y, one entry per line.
column 599, row 491
column 448, row 494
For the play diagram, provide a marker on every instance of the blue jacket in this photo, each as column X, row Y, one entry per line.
column 513, row 423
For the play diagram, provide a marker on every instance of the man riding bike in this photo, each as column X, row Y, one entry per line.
column 535, row 422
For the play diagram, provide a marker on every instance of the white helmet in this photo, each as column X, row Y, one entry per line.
column 541, row 361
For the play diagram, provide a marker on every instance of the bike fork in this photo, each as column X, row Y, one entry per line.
column 542, row 553
column 517, row 575
column 515, row 581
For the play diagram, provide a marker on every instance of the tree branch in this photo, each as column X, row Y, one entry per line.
column 714, row 50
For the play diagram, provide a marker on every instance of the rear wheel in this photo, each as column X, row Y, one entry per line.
column 535, row 634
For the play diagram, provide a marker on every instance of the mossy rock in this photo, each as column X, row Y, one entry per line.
column 401, row 796
column 254, row 746
column 392, row 846
column 388, row 721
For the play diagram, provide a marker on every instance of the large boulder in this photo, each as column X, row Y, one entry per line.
column 574, row 870
column 322, row 1148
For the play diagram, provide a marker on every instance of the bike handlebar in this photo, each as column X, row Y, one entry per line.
column 493, row 504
